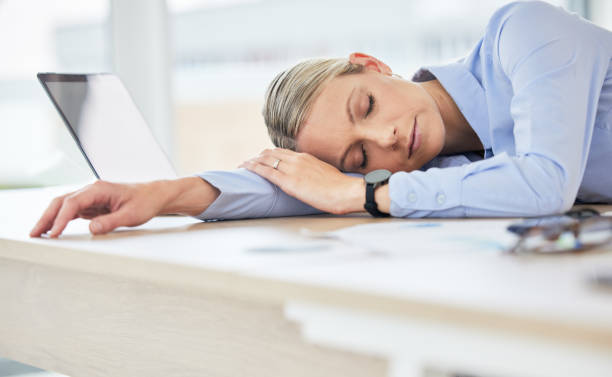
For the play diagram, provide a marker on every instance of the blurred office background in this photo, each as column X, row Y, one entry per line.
column 198, row 69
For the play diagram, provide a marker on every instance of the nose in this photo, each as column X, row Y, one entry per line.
column 385, row 137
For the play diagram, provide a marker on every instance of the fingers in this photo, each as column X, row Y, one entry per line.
column 290, row 166
column 108, row 205
column 71, row 206
column 266, row 171
column 107, row 223
column 94, row 211
column 267, row 161
column 128, row 215
column 283, row 159
column 46, row 220
column 279, row 153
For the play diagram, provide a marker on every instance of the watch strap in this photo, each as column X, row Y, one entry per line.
column 370, row 204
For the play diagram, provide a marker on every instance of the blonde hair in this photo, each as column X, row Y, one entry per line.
column 291, row 94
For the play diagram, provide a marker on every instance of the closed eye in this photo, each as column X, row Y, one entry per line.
column 370, row 106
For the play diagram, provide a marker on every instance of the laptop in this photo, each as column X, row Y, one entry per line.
column 107, row 127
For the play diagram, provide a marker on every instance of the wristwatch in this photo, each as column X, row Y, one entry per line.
column 373, row 180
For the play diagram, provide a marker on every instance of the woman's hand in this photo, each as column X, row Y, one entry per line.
column 310, row 180
column 111, row 205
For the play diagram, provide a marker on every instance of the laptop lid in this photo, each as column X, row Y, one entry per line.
column 107, row 127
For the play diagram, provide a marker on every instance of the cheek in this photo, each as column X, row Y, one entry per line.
column 433, row 133
column 385, row 159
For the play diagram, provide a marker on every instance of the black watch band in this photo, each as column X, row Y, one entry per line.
column 374, row 180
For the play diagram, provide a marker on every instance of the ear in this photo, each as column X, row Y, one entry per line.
column 370, row 62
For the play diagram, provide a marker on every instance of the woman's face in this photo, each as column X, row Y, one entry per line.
column 372, row 120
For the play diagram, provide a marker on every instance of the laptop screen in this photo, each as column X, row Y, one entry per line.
column 107, row 126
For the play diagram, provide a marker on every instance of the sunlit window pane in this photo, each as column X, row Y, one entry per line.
column 226, row 52
column 48, row 36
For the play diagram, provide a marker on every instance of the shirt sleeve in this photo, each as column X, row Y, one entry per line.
column 551, row 62
column 244, row 195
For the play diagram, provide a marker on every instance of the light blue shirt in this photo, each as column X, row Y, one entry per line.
column 536, row 89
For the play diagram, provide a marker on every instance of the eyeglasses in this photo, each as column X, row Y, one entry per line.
column 576, row 230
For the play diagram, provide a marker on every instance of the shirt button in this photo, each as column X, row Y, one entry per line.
column 441, row 198
column 412, row 197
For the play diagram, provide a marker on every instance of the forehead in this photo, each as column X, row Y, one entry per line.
column 324, row 129
column 334, row 92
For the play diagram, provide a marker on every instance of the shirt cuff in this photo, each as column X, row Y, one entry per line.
column 418, row 193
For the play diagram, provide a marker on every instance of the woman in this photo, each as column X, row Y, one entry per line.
column 521, row 126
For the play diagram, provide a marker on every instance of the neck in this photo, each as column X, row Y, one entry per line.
column 459, row 136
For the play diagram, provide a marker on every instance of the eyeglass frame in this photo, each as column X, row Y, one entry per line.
column 553, row 227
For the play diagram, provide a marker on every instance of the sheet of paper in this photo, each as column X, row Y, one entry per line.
column 410, row 238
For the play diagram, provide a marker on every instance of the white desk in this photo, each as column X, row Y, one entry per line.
column 177, row 297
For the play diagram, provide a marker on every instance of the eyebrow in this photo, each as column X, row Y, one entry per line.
column 350, row 116
column 348, row 106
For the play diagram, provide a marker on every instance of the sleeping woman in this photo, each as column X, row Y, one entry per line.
column 521, row 126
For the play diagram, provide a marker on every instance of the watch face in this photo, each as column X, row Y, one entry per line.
column 376, row 176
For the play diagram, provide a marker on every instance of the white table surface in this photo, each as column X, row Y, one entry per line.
column 551, row 298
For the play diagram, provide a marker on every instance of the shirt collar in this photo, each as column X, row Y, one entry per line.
column 467, row 93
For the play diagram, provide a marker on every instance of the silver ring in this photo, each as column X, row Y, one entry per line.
column 275, row 166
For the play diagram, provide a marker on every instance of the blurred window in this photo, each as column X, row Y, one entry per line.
column 226, row 53
column 48, row 36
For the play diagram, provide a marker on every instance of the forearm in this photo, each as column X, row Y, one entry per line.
column 187, row 196
column 246, row 195
column 499, row 186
